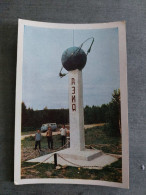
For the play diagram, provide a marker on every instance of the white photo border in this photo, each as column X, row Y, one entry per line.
column 124, row 103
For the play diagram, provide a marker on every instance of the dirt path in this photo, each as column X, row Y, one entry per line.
column 93, row 125
column 58, row 132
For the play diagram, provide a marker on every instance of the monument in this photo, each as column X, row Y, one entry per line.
column 74, row 60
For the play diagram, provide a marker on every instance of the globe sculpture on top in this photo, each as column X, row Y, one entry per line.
column 75, row 58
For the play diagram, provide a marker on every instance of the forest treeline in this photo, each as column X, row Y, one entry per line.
column 106, row 113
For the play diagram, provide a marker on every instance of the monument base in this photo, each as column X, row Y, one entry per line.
column 64, row 158
column 86, row 154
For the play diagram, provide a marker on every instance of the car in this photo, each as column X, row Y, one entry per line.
column 44, row 127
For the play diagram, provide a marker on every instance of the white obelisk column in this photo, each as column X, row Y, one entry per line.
column 76, row 112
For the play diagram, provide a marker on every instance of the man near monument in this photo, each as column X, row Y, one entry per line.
column 38, row 139
column 49, row 138
column 63, row 131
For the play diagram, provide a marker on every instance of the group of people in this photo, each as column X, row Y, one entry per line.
column 49, row 137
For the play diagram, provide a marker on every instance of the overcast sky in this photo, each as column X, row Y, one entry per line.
column 42, row 53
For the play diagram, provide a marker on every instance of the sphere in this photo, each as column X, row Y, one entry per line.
column 73, row 58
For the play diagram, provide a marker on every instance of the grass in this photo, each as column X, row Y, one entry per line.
column 100, row 140
column 28, row 132
column 93, row 136
column 108, row 173
column 29, row 142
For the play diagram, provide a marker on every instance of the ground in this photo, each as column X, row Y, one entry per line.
column 95, row 136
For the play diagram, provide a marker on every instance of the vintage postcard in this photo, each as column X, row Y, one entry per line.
column 71, row 123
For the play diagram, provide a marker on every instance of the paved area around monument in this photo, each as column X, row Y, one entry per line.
column 96, row 163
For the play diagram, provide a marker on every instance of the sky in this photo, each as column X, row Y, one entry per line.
column 42, row 52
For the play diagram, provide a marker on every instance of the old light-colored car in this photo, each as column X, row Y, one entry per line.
column 44, row 127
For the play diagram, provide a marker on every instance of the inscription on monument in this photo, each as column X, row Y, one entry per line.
column 73, row 94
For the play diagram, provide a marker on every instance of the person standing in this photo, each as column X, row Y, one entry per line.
column 63, row 131
column 49, row 138
column 38, row 140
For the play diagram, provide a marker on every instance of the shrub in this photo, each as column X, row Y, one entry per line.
column 109, row 130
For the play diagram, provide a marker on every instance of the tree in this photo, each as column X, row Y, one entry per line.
column 115, row 113
column 45, row 108
column 24, row 114
column 104, row 109
column 88, row 115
